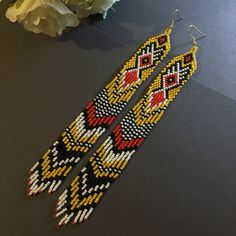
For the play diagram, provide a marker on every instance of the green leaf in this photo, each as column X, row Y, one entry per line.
column 18, row 3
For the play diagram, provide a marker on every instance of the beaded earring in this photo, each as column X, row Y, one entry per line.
column 85, row 192
column 49, row 172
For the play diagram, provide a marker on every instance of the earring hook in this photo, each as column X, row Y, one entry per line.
column 173, row 21
column 192, row 36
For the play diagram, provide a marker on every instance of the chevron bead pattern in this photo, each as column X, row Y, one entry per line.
column 78, row 202
column 58, row 161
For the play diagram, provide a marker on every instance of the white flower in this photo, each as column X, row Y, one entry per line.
column 47, row 16
column 90, row 7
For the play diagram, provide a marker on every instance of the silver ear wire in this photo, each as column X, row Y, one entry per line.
column 173, row 20
column 192, row 36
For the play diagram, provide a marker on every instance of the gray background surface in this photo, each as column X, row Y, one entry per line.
column 181, row 182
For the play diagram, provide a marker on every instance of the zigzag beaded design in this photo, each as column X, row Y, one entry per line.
column 49, row 172
column 78, row 201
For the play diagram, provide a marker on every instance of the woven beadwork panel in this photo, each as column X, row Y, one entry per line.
column 107, row 163
column 58, row 161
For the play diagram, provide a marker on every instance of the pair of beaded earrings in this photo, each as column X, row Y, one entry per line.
column 85, row 192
